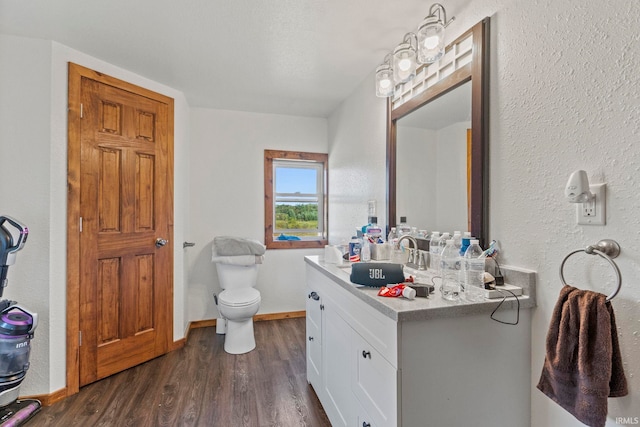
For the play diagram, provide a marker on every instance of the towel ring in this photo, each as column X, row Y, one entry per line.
column 606, row 249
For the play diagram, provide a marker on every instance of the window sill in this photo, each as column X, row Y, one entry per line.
column 297, row 244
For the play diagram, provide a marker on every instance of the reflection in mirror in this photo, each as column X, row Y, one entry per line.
column 433, row 195
column 441, row 185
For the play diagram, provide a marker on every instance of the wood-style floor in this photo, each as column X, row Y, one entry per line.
column 201, row 385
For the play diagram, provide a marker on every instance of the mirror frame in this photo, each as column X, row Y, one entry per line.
column 477, row 71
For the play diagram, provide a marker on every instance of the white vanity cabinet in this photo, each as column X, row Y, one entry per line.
column 390, row 362
column 355, row 382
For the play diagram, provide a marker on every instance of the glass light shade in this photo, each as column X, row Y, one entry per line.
column 384, row 81
column 430, row 40
column 404, row 63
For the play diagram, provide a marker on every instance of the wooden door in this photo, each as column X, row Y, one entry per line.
column 125, row 287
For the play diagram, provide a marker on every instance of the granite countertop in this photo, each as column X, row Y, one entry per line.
column 402, row 310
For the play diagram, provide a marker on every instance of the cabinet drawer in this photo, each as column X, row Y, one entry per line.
column 378, row 330
column 375, row 383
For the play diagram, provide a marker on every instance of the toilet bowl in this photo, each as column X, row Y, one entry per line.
column 238, row 303
column 238, row 307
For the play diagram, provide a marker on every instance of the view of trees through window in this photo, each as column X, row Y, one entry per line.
column 297, row 217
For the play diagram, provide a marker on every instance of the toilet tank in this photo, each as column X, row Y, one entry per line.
column 237, row 276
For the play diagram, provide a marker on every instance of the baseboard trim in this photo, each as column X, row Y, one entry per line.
column 279, row 316
column 178, row 344
column 57, row 396
column 49, row 399
column 208, row 323
column 202, row 323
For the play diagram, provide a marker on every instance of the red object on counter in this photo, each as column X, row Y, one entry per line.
column 394, row 291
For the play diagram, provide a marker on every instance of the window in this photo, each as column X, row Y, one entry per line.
column 295, row 194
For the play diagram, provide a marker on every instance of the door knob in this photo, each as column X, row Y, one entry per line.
column 160, row 242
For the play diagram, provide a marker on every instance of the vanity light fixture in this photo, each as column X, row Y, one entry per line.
column 385, row 85
column 431, row 34
column 405, row 59
column 429, row 47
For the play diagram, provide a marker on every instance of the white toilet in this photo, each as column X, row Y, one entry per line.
column 238, row 303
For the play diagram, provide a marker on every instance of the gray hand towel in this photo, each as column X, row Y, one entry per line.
column 234, row 246
column 583, row 364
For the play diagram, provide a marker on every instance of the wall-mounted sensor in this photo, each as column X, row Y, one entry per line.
column 590, row 199
column 577, row 189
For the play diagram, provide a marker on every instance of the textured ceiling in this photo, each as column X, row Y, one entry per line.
column 300, row 57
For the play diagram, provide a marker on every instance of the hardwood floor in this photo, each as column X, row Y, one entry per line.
column 201, row 385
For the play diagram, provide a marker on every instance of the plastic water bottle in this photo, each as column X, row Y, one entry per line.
column 392, row 238
column 403, row 228
column 434, row 251
column 450, row 272
column 466, row 240
column 443, row 242
column 457, row 240
column 365, row 252
column 473, row 273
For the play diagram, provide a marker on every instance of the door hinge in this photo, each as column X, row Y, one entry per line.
column 79, row 338
column 80, row 224
column 81, row 111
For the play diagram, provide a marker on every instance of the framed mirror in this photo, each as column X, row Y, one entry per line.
column 437, row 141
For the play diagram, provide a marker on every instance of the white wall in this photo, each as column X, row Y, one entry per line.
column 227, row 198
column 357, row 164
column 564, row 96
column 25, row 151
column 33, row 138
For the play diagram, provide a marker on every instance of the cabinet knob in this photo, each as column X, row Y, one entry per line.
column 366, row 354
column 314, row 296
column 310, row 338
column 321, row 306
column 366, row 424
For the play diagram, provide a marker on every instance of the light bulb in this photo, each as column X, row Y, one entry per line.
column 404, row 64
column 431, row 42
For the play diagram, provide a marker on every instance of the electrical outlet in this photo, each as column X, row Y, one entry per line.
column 593, row 212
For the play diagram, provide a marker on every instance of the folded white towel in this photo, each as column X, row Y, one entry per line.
column 238, row 260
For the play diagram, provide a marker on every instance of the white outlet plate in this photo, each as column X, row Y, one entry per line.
column 593, row 213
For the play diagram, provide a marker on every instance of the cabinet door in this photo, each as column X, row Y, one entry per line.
column 375, row 383
column 314, row 339
column 340, row 402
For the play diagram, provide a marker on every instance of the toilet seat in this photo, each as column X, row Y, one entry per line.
column 239, row 297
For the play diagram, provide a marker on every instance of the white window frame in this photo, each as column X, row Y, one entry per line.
column 317, row 197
